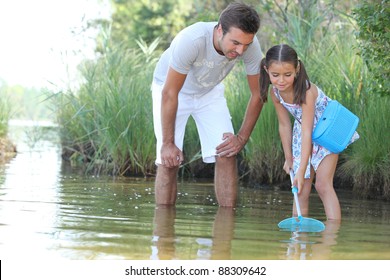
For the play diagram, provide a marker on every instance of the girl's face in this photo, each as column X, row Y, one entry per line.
column 282, row 75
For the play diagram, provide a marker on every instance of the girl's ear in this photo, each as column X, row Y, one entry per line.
column 266, row 70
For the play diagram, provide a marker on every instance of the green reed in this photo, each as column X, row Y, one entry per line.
column 108, row 122
column 368, row 164
column 261, row 159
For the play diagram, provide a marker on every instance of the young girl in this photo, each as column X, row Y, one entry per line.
column 292, row 92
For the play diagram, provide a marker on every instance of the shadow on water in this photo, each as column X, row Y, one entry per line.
column 47, row 212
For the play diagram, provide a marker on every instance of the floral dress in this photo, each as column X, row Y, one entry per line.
column 318, row 152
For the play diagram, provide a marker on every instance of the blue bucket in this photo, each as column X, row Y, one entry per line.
column 335, row 128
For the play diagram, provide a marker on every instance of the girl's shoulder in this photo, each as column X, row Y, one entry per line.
column 313, row 88
column 313, row 91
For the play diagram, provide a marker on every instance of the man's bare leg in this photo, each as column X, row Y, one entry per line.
column 226, row 181
column 166, row 185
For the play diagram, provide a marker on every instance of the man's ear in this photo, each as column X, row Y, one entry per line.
column 219, row 30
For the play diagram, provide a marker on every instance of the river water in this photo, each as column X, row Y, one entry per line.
column 51, row 211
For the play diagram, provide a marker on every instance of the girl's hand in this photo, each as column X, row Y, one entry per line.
column 288, row 165
column 299, row 180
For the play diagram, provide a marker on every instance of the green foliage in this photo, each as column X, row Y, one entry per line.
column 264, row 152
column 300, row 23
column 337, row 69
column 19, row 102
column 27, row 103
column 373, row 20
column 148, row 19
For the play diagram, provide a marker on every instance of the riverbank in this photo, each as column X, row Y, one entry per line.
column 7, row 150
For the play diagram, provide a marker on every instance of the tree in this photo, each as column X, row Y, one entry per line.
column 373, row 20
column 147, row 20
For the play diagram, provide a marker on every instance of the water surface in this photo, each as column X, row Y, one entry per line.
column 47, row 211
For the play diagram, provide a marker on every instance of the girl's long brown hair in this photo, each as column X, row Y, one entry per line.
column 284, row 53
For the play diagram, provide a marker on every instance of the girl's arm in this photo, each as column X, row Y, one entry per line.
column 285, row 132
column 308, row 110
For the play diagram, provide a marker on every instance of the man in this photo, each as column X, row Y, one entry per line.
column 187, row 81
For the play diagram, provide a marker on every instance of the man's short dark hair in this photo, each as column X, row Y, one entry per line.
column 241, row 16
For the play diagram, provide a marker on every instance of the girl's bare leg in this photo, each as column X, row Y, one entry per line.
column 303, row 197
column 325, row 189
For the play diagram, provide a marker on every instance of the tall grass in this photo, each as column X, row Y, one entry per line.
column 107, row 123
column 262, row 157
column 369, row 163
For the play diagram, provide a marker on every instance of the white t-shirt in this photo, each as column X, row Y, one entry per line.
column 192, row 53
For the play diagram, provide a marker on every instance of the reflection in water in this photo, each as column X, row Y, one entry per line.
column 29, row 196
column 218, row 247
column 223, row 233
column 164, row 233
column 313, row 246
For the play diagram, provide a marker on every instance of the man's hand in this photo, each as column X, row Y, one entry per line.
column 171, row 156
column 231, row 146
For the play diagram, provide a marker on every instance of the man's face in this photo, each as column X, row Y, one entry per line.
column 234, row 43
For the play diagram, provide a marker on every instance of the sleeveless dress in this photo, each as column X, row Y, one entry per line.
column 318, row 152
